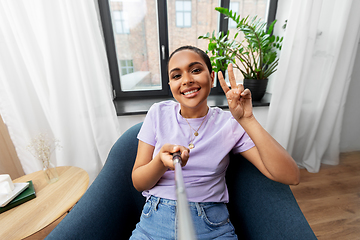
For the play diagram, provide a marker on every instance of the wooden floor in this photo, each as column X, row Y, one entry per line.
column 330, row 199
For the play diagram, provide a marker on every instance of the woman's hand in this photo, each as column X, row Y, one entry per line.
column 239, row 100
column 166, row 152
column 148, row 170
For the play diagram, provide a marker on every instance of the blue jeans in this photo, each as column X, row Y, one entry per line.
column 158, row 220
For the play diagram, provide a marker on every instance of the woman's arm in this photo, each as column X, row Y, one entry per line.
column 147, row 171
column 267, row 155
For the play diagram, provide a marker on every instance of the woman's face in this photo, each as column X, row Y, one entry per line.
column 190, row 82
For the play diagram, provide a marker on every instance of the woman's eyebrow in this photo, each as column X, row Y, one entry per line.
column 174, row 69
column 190, row 65
column 193, row 63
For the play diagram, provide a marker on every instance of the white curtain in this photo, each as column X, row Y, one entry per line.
column 54, row 79
column 311, row 84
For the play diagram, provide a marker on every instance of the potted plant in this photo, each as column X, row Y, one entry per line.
column 257, row 52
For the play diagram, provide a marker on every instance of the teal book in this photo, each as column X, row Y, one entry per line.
column 26, row 195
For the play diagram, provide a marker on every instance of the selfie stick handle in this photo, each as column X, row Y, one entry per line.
column 185, row 225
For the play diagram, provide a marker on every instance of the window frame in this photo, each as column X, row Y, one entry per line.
column 105, row 17
column 113, row 62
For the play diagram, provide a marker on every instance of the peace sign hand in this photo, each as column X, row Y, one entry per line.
column 239, row 100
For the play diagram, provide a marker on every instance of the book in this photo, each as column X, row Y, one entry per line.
column 23, row 197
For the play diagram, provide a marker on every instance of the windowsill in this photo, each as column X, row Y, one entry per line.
column 141, row 106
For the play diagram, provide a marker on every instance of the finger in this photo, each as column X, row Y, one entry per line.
column 233, row 98
column 235, row 93
column 170, row 148
column 184, row 151
column 222, row 82
column 240, row 87
column 168, row 161
column 184, row 155
column 246, row 93
column 174, row 148
column 231, row 76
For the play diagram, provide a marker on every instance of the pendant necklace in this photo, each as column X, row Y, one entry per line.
column 196, row 133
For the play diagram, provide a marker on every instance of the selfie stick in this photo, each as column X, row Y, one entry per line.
column 185, row 223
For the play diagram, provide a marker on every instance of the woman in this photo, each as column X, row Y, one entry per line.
column 204, row 136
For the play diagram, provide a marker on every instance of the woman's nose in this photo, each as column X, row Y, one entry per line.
column 187, row 78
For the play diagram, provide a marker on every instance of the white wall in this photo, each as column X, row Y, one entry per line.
column 127, row 121
column 350, row 133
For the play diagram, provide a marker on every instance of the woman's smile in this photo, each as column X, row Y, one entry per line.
column 191, row 92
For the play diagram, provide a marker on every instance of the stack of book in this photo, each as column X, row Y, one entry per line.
column 24, row 196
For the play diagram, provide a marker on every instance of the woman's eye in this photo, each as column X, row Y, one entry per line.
column 196, row 70
column 175, row 76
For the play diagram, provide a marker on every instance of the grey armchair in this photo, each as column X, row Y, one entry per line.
column 259, row 208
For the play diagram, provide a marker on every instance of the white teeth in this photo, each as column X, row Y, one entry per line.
column 187, row 93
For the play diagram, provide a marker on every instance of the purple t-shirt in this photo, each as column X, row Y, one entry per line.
column 204, row 173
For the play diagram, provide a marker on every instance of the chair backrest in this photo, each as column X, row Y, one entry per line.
column 121, row 159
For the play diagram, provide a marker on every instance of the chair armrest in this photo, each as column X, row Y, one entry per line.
column 261, row 208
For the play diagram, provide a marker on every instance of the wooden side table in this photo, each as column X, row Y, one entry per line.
column 52, row 201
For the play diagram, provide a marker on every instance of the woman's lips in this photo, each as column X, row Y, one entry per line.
column 191, row 93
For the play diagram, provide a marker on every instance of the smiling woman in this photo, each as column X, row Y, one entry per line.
column 204, row 136
column 190, row 81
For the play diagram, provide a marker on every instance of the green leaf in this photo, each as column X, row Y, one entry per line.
column 211, row 46
column 271, row 27
column 236, row 34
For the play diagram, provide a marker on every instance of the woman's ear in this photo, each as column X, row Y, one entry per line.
column 212, row 75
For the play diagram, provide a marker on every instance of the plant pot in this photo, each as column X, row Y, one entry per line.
column 257, row 88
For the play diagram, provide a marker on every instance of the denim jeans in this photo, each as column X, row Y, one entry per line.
column 158, row 220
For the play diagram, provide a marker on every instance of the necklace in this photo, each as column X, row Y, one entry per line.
column 196, row 133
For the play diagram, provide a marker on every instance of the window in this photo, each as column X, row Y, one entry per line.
column 183, row 13
column 234, row 7
column 126, row 67
column 120, row 22
column 140, row 35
